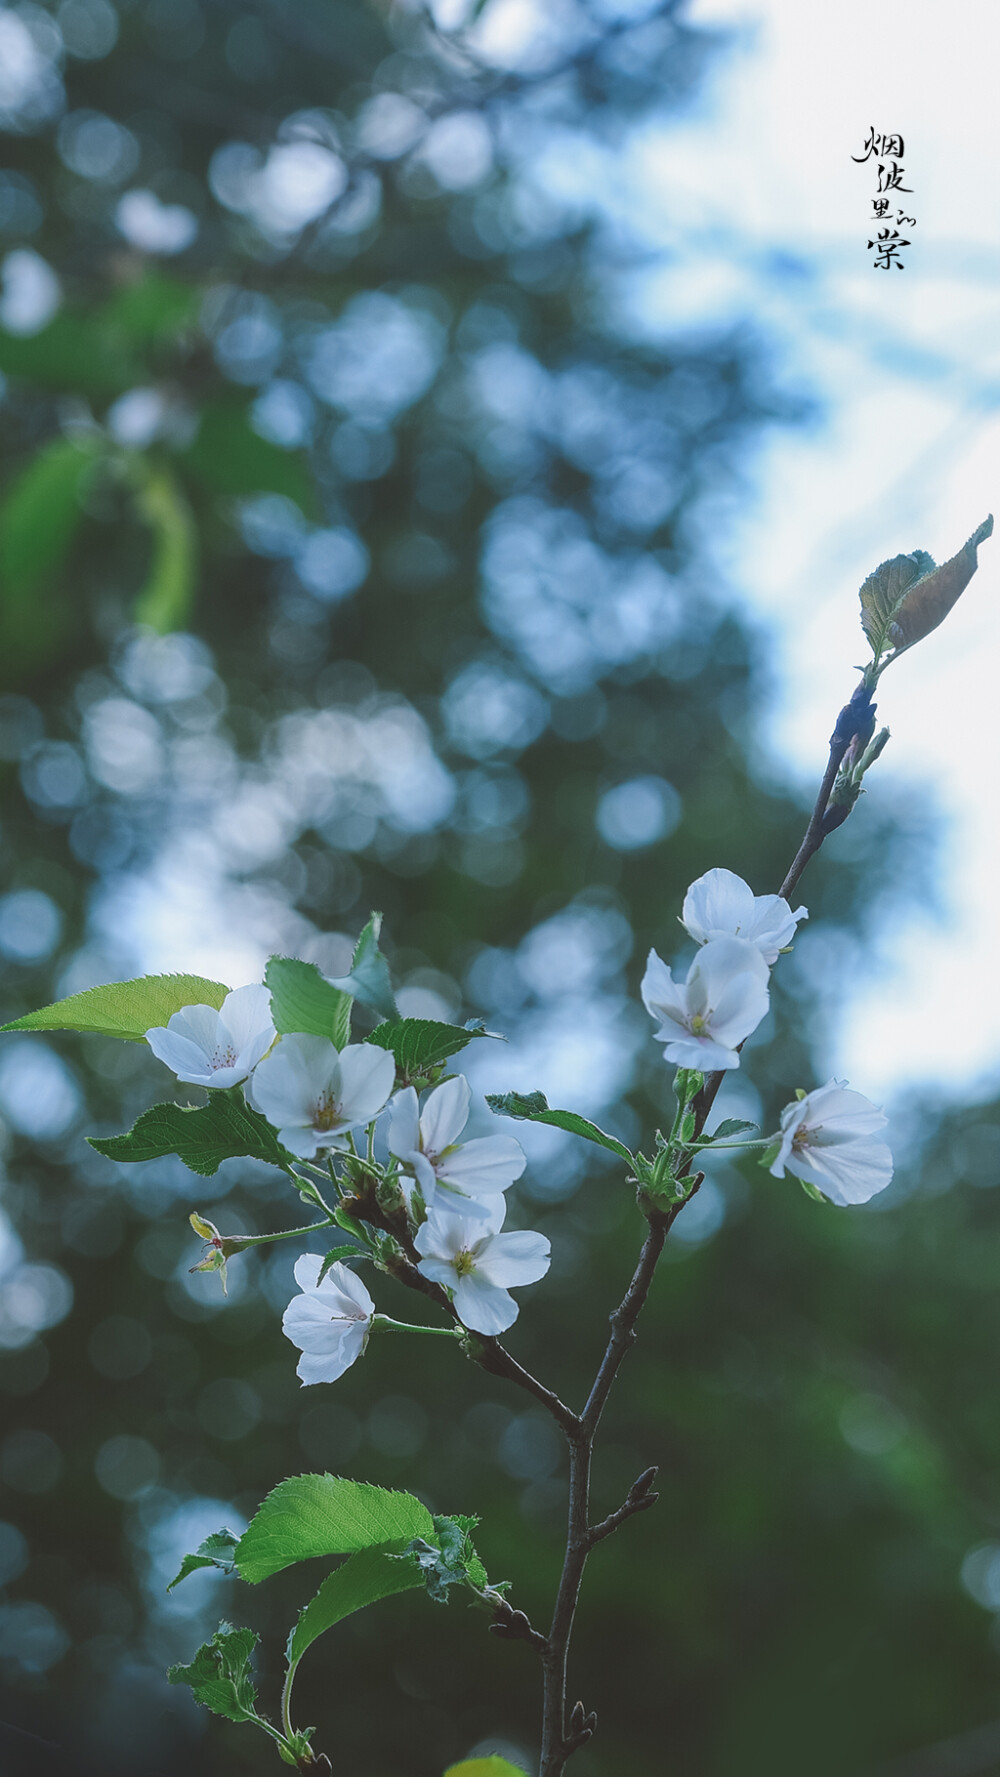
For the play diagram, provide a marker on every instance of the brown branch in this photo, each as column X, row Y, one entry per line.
column 561, row 1738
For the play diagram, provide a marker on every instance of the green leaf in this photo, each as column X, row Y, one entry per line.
column 883, row 591
column 154, row 308
column 336, row 1256
column 450, row 1559
column 533, row 1107
column 217, row 1550
column 485, row 1767
column 369, row 979
column 813, row 1191
column 303, row 1000
column 124, row 1008
column 224, row 1129
column 420, row 1044
column 219, row 1675
column 168, row 594
column 731, row 1126
column 325, row 1515
column 74, row 353
column 362, row 1579
column 40, row 512
column 229, row 457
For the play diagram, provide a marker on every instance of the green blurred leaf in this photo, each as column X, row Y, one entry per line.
column 224, row 1129
column 364, row 1578
column 303, row 1000
column 420, row 1044
column 217, row 1550
column 151, row 309
column 229, row 457
column 124, row 1008
column 485, row 1767
column 165, row 601
column 74, row 352
column 40, row 513
column 533, row 1107
column 220, row 1676
column 325, row 1515
column 369, row 980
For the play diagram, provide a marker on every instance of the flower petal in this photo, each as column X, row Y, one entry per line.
column 289, row 1083
column 480, row 1305
column 483, row 1167
column 848, row 1174
column 327, row 1366
column 367, row 1075
column 307, row 1270
column 699, row 1052
column 404, row 1124
column 445, row 1114
column 662, row 996
column 182, row 1055
column 515, row 1259
column 246, row 1017
column 718, row 905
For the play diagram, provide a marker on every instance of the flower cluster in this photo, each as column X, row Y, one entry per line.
column 827, row 1137
column 315, row 1096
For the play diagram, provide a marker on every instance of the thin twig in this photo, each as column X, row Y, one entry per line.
column 562, row 1737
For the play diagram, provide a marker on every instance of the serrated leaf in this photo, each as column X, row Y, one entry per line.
column 485, row 1767
column 369, row 980
column 220, row 1676
column 304, row 1001
column 731, row 1126
column 337, row 1256
column 364, row 1578
column 165, row 600
column 420, row 1044
column 226, row 1128
column 929, row 598
column 217, row 1550
column 124, row 1008
column 325, row 1515
column 533, row 1107
column 883, row 591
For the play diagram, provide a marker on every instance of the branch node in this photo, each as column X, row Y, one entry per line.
column 640, row 1498
column 512, row 1625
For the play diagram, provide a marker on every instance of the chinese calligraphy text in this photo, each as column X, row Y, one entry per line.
column 887, row 152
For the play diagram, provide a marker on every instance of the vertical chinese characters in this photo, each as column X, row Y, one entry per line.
column 887, row 152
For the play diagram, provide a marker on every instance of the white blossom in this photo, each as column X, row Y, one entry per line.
column 703, row 1020
column 470, row 1256
column 828, row 1138
column 312, row 1094
column 329, row 1322
column 427, row 1146
column 721, row 905
column 216, row 1048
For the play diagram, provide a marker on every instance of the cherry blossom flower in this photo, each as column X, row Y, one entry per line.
column 426, row 1144
column 721, row 905
column 724, row 998
column 206, row 1047
column 312, row 1094
column 478, row 1264
column 330, row 1321
column 828, row 1138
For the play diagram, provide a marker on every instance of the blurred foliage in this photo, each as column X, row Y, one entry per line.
column 317, row 363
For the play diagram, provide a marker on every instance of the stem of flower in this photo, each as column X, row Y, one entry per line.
column 402, row 1326
column 285, row 1234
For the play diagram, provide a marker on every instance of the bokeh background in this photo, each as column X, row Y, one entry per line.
column 391, row 518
